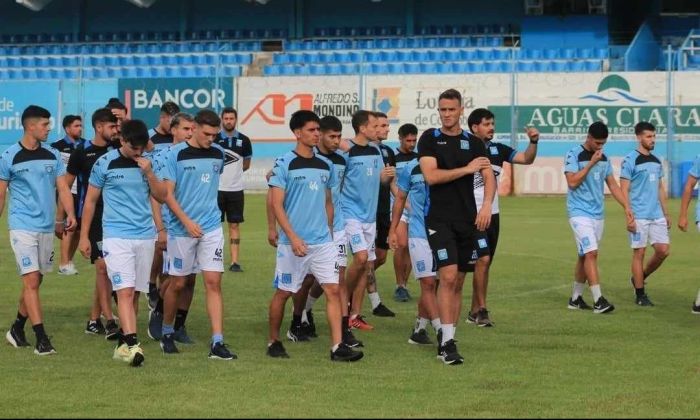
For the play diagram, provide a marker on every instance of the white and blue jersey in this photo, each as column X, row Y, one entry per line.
column 195, row 172
column 160, row 141
column 360, row 190
column 158, row 159
column 305, row 181
column 644, row 173
column 587, row 200
column 125, row 194
column 31, row 177
column 411, row 182
column 695, row 173
column 339, row 166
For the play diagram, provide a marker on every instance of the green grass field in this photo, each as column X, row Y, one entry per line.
column 541, row 360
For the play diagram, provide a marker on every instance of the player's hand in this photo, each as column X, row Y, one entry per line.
column 120, row 114
column 272, row 237
column 683, row 223
column 632, row 226
column 193, row 229
column 532, row 133
column 298, row 246
column 483, row 219
column 477, row 165
column 388, row 171
column 144, row 164
column 669, row 223
column 59, row 229
column 84, row 247
column 268, row 175
column 71, row 223
column 162, row 241
column 393, row 240
column 597, row 156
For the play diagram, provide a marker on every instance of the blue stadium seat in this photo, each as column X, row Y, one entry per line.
column 475, row 67
column 43, row 73
column 430, row 43
column 56, row 73
column 42, row 61
column 567, row 53
column 112, row 61
column 129, row 73
column 372, row 56
column 53, row 61
column 558, row 66
column 435, row 55
column 501, row 54
column 296, row 58
column 155, row 60
column 302, row 70
column 386, row 56
column 403, row 55
column 14, row 73
column 199, row 59
column 333, row 69
column 584, row 53
column 310, row 57
column 317, row 69
column 542, row 66
column 286, row 69
column 412, row 68
column 395, row 68
column 350, row 68
column 694, row 59
column 414, row 43
column 446, row 42
column 551, row 54
column 210, row 59
column 463, row 42
column 467, row 55
column 271, row 70
column 593, row 65
column 444, row 68
column 70, row 61
column 325, row 58
column 378, row 68
column 493, row 41
column 419, row 55
column 532, row 54
column 576, row 66
column 525, row 66
column 492, row 67
column 601, row 53
column 486, row 54
column 170, row 60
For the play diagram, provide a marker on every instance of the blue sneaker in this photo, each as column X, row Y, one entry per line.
column 181, row 336
column 155, row 325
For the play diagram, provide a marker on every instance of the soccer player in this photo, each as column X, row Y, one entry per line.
column 411, row 185
column 482, row 125
column 125, row 180
column 73, row 127
column 408, row 136
column 449, row 158
column 300, row 190
column 191, row 171
column 693, row 177
column 239, row 153
column 79, row 169
column 382, row 222
column 644, row 192
column 161, row 136
column 33, row 173
column 587, row 170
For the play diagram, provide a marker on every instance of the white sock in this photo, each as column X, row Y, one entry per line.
column 375, row 299
column 448, row 333
column 421, row 323
column 436, row 324
column 304, row 318
column 578, row 290
column 335, row 347
column 310, row 303
column 697, row 299
column 595, row 291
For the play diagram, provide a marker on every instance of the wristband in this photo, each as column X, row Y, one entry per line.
column 60, row 221
column 534, row 141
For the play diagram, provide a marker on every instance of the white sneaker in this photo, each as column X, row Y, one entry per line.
column 67, row 270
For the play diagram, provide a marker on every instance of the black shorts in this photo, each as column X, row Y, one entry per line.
column 383, row 224
column 455, row 243
column 95, row 242
column 492, row 236
column 76, row 207
column 231, row 206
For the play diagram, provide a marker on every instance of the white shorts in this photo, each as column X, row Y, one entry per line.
column 188, row 255
column 128, row 262
column 361, row 237
column 649, row 232
column 341, row 245
column 587, row 233
column 404, row 218
column 421, row 258
column 320, row 261
column 33, row 251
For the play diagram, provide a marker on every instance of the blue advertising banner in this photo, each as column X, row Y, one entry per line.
column 15, row 97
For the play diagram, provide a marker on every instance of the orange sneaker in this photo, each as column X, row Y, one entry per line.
column 359, row 323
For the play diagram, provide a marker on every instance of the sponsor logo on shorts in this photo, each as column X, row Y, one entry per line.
column 356, row 239
column 26, row 262
column 177, row 263
column 53, row 254
column 442, row 254
column 285, row 278
column 636, row 236
column 585, row 242
column 117, row 279
column 420, row 266
column 218, row 254
column 464, row 144
column 482, row 243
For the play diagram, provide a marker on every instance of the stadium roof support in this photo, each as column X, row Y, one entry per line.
column 35, row 5
column 142, row 3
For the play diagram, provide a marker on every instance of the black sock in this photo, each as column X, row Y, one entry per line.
column 159, row 305
column 39, row 331
column 296, row 321
column 152, row 288
column 346, row 323
column 20, row 321
column 130, row 340
column 111, row 322
column 640, row 292
column 120, row 337
column 180, row 318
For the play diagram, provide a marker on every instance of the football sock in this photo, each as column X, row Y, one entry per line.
column 448, row 333
column 436, row 324
column 578, row 290
column 595, row 291
column 375, row 299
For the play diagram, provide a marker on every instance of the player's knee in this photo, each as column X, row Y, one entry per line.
column 591, row 255
column 212, row 284
column 360, row 259
column 483, row 262
column 662, row 252
column 332, row 291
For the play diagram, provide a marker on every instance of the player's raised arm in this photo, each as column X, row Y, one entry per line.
column 528, row 156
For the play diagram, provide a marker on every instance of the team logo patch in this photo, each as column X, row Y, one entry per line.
column 177, row 263
column 636, row 236
column 494, row 150
column 596, row 175
column 215, row 167
column 280, row 253
column 26, row 262
column 324, row 178
column 464, row 144
column 585, row 242
column 482, row 243
column 420, row 266
column 652, row 177
column 286, row 278
column 117, row 279
column 442, row 254
column 49, row 168
column 356, row 239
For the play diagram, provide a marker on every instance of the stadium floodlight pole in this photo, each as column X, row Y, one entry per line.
column 674, row 188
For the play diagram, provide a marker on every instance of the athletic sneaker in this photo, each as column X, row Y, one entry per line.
column 602, row 306
column 383, row 311
column 482, row 319
column 471, row 318
column 695, row 310
column 439, row 341
column 296, row 335
column 350, row 340
column 44, row 347
column 235, row 268
column 135, row 355
column 359, row 323
column 16, row 337
column 153, row 297
column 401, row 294
column 181, row 336
column 111, row 330
column 345, row 354
column 155, row 325
column 67, row 270
column 420, row 337
column 220, row 351
column 449, row 355
column 167, row 344
column 121, row 353
column 643, row 300
column 95, row 328
column 276, row 349
column 579, row 303
column 309, row 327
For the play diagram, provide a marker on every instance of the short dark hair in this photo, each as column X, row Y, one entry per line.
column 135, row 132
column 451, row 94
column 103, row 115
column 301, row 117
column 643, row 126
column 407, row 130
column 169, row 108
column 360, row 118
column 331, row 123
column 34, row 111
column 207, row 117
column 478, row 115
column 180, row 117
column 70, row 119
column 115, row 103
column 379, row 114
column 598, row 130
column 229, row 110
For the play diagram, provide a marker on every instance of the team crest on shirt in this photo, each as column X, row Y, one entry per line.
column 324, row 178
column 215, row 166
column 49, row 168
column 464, row 144
column 494, row 150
